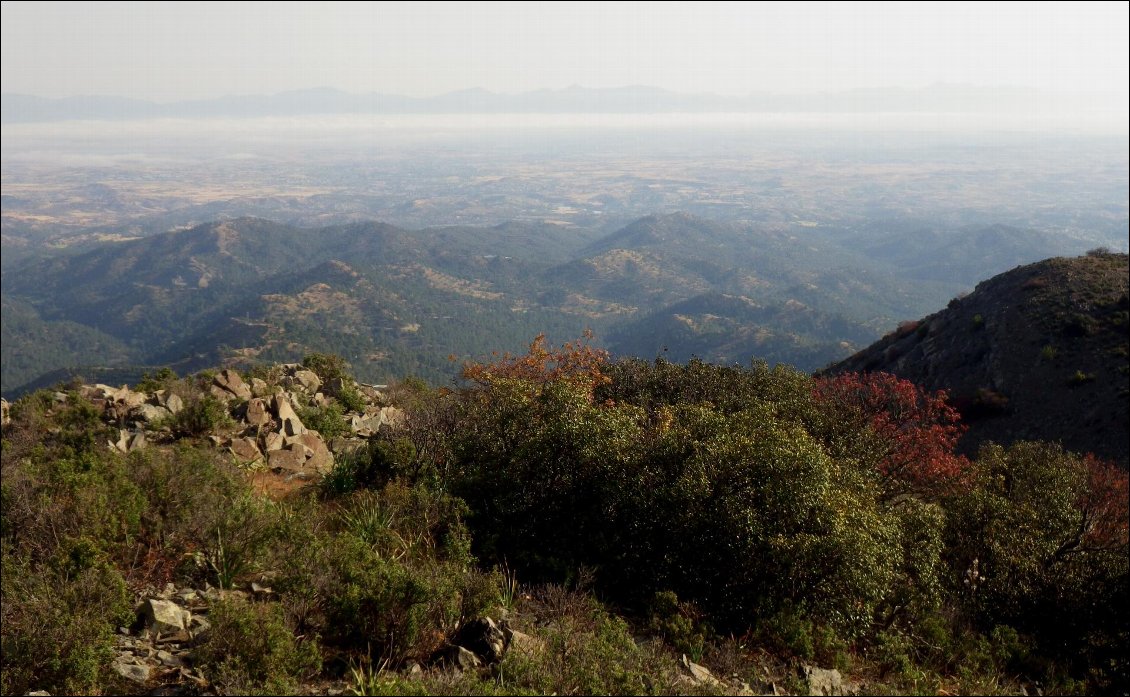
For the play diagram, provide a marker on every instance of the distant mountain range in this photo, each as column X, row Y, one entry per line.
column 1039, row 352
column 398, row 302
column 22, row 108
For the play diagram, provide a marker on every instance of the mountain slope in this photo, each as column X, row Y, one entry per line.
column 1039, row 352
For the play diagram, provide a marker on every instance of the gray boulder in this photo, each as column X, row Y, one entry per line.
column 164, row 616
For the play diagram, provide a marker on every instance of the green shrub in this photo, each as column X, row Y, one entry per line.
column 679, row 624
column 163, row 379
column 250, row 649
column 328, row 420
column 202, row 414
column 1038, row 543
column 351, row 399
column 58, row 626
column 327, row 366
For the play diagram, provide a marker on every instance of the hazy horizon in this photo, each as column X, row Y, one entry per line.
column 185, row 51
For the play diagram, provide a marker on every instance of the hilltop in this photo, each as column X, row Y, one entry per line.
column 558, row 523
column 1037, row 352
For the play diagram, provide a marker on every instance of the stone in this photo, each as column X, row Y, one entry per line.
column 700, row 674
column 319, row 457
column 164, row 616
column 260, row 388
column 245, row 449
column 484, row 637
column 149, row 413
column 319, row 399
column 39, row 693
column 463, row 659
column 5, row 413
column 258, row 414
column 291, row 424
column 291, row 458
column 230, row 381
column 169, row 660
column 130, row 398
column 392, row 416
column 521, row 643
column 137, row 441
column 135, row 672
column 308, row 379
column 274, row 441
column 173, row 403
column 820, row 681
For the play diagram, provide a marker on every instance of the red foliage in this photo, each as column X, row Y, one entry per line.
column 576, row 362
column 910, row 433
column 1105, row 506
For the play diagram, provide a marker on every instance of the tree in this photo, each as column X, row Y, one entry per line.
column 903, row 433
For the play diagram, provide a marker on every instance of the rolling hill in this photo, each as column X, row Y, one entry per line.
column 1038, row 352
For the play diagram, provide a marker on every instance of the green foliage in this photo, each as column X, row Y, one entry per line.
column 251, row 650
column 351, row 399
column 680, row 624
column 394, row 580
column 329, row 367
column 1081, row 378
column 1038, row 542
column 58, row 626
column 163, row 379
column 202, row 414
column 736, row 508
column 374, row 466
column 328, row 420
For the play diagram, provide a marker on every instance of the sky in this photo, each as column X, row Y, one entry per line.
column 166, row 51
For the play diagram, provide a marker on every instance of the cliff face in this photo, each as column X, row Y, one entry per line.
column 1038, row 352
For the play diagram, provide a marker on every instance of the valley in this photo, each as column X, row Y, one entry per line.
column 401, row 241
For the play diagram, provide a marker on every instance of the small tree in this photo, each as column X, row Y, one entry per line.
column 904, row 433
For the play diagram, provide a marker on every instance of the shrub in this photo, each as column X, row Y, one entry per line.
column 58, row 626
column 163, row 379
column 202, row 414
column 329, row 367
column 328, row 420
column 1041, row 536
column 250, row 649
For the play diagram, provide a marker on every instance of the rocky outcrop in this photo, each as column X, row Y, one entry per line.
column 229, row 382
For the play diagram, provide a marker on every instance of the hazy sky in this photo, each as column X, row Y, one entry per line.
column 170, row 51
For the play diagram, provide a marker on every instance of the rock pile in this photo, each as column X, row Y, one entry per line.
column 268, row 431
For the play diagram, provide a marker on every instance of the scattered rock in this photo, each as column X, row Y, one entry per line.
column 522, row 643
column 463, row 659
column 260, row 388
column 820, row 681
column 308, row 379
column 319, row 457
column 5, row 413
column 483, row 637
column 172, row 402
column 274, row 441
column 129, row 441
column 292, row 458
column 135, row 672
column 700, row 674
column 230, row 381
column 164, row 616
column 148, row 413
column 245, row 449
column 258, row 414
column 291, row 424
